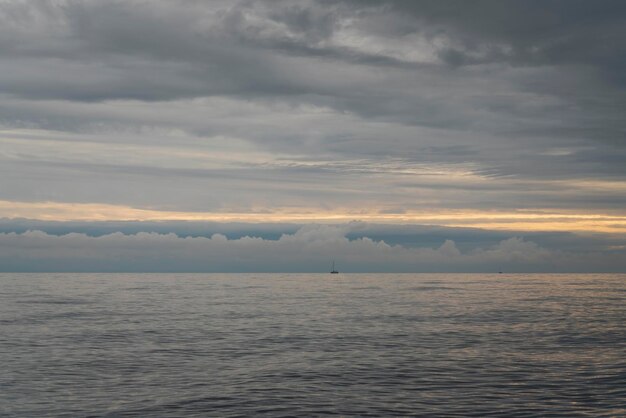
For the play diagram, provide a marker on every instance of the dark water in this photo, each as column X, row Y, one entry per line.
column 299, row 345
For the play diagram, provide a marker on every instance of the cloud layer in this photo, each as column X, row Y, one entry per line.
column 309, row 249
column 500, row 114
column 262, row 105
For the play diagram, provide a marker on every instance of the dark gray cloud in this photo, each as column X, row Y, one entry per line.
column 320, row 105
column 532, row 32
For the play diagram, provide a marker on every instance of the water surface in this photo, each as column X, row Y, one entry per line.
column 312, row 344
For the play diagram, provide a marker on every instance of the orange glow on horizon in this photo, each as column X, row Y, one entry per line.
column 539, row 220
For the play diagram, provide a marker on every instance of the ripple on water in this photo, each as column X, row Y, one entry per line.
column 299, row 345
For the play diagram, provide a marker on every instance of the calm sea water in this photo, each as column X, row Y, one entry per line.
column 300, row 345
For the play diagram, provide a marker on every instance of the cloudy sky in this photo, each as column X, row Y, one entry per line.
column 276, row 135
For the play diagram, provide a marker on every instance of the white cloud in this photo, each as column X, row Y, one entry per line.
column 311, row 248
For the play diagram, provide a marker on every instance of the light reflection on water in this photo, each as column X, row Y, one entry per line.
column 288, row 344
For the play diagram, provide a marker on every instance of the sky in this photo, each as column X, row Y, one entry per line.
column 251, row 135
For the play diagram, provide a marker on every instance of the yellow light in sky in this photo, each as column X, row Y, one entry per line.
column 514, row 220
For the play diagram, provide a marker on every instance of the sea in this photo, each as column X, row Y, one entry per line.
column 288, row 345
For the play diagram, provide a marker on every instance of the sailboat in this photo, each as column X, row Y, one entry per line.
column 333, row 271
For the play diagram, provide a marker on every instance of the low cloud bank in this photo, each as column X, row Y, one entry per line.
column 310, row 249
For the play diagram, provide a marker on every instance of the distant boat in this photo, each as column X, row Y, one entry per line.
column 333, row 271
